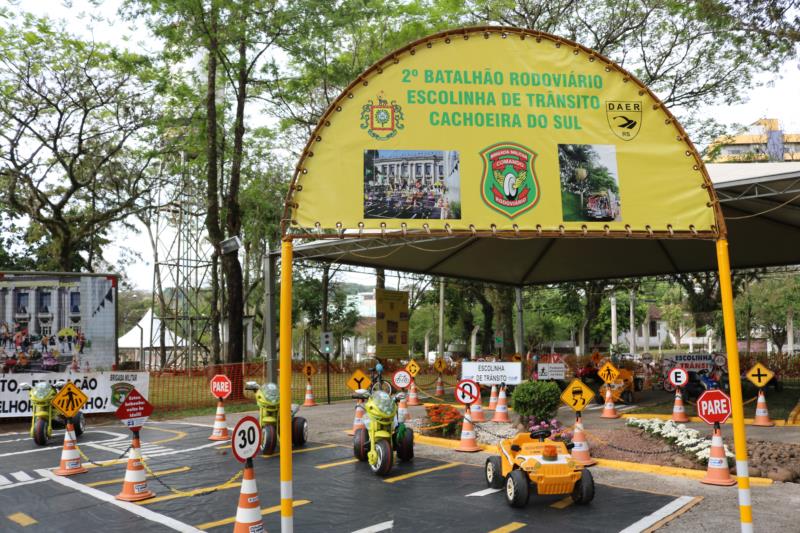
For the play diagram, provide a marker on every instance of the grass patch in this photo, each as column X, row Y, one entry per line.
column 201, row 411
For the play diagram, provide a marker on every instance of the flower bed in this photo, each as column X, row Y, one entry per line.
column 444, row 420
column 687, row 440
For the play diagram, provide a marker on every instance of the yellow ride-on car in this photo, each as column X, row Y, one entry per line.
column 534, row 460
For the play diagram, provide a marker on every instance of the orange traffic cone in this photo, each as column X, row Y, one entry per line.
column 70, row 458
column 609, row 411
column 358, row 420
column 762, row 414
column 718, row 472
column 439, row 387
column 468, row 442
column 501, row 411
column 309, row 396
column 580, row 449
column 248, row 513
column 402, row 410
column 134, row 488
column 413, row 398
column 493, row 398
column 678, row 411
column 220, row 431
column 477, row 409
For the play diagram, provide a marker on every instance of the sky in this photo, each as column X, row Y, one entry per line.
column 777, row 97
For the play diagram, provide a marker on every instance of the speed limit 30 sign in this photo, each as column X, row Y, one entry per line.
column 246, row 439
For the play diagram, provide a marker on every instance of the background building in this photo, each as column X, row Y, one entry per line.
column 764, row 140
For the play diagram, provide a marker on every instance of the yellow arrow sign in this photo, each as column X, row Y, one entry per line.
column 760, row 375
column 359, row 380
column 439, row 365
column 69, row 400
column 608, row 372
column 577, row 395
column 412, row 368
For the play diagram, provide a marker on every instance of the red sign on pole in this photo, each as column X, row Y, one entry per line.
column 134, row 411
column 221, row 386
column 714, row 406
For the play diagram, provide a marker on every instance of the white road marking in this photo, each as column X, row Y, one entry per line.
column 484, row 492
column 138, row 510
column 21, row 452
column 4, row 480
column 21, row 483
column 646, row 522
column 383, row 526
column 21, row 476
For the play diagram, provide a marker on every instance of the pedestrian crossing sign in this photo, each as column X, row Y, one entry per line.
column 69, row 400
column 608, row 372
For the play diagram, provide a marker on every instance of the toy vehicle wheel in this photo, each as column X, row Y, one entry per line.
column 360, row 444
column 494, row 472
column 269, row 439
column 383, row 465
column 299, row 431
column 583, row 492
column 627, row 397
column 40, row 432
column 517, row 488
column 79, row 422
column 405, row 446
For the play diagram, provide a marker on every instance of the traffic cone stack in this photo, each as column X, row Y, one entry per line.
column 402, row 410
column 358, row 420
column 70, row 458
column 493, row 398
column 580, row 449
column 468, row 442
column 134, row 488
column 309, row 396
column 220, row 431
column 439, row 387
column 718, row 472
column 762, row 414
column 248, row 513
column 609, row 410
column 477, row 409
column 678, row 410
column 413, row 397
column 501, row 411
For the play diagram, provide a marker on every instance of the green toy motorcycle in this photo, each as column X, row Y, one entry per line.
column 384, row 432
column 268, row 400
column 45, row 416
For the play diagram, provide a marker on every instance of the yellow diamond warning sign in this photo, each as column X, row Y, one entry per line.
column 439, row 365
column 760, row 375
column 359, row 380
column 309, row 370
column 577, row 395
column 608, row 372
column 412, row 368
column 69, row 400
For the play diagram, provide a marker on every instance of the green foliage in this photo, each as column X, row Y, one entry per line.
column 538, row 399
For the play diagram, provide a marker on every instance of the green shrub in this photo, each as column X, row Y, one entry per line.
column 539, row 399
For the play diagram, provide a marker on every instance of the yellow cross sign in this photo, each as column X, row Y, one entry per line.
column 760, row 375
column 359, row 380
column 309, row 370
column 439, row 365
column 412, row 368
column 69, row 400
column 577, row 395
column 608, row 372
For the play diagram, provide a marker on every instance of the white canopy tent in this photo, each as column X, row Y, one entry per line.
column 146, row 336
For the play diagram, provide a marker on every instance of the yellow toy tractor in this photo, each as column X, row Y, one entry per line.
column 534, row 460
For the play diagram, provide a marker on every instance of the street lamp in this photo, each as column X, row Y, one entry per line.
column 230, row 245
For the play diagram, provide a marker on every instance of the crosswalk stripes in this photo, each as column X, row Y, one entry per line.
column 12, row 479
column 147, row 449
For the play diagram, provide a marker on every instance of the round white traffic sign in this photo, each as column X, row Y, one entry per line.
column 401, row 379
column 467, row 391
column 720, row 360
column 246, row 439
column 678, row 377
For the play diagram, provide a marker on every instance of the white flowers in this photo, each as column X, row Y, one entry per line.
column 686, row 439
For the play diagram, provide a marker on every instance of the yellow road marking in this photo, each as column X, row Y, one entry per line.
column 562, row 504
column 268, row 510
column 178, row 435
column 121, row 479
column 513, row 526
column 337, row 463
column 303, row 450
column 22, row 519
column 424, row 471
column 186, row 494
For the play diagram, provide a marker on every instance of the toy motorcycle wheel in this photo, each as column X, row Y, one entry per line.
column 79, row 422
column 583, row 492
column 360, row 444
column 299, row 431
column 405, row 446
column 269, row 439
column 493, row 471
column 383, row 465
column 40, row 432
column 517, row 488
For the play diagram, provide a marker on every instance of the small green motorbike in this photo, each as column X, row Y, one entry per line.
column 384, row 433
column 268, row 400
column 45, row 416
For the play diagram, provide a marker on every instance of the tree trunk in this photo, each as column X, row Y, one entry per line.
column 326, row 270
column 380, row 278
column 215, row 340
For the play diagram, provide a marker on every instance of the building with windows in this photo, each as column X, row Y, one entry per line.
column 764, row 140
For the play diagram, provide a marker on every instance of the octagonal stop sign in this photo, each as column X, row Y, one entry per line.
column 221, row 386
column 714, row 406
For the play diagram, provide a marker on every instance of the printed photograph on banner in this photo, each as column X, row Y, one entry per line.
column 412, row 184
column 589, row 183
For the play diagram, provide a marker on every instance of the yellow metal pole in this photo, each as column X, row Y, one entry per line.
column 285, row 369
column 734, row 377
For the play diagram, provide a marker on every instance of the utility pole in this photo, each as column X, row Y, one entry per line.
column 441, row 318
column 270, row 353
column 633, row 322
column 518, row 338
column 613, row 320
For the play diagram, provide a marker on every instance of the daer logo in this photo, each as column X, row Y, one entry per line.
column 624, row 118
column 509, row 183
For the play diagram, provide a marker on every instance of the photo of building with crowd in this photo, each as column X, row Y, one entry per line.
column 412, row 184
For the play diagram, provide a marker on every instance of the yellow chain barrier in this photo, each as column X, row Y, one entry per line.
column 191, row 493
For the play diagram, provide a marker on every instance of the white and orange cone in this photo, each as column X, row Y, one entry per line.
column 718, row 472
column 413, row 397
column 402, row 410
column 580, row 449
column 468, row 442
column 678, row 410
column 493, row 398
column 476, row 409
column 248, row 513
column 609, row 410
column 134, row 488
column 439, row 387
column 220, row 430
column 358, row 419
column 762, row 414
column 70, row 458
column 501, row 410
column 309, row 396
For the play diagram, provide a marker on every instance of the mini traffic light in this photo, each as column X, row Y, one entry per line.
column 327, row 342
